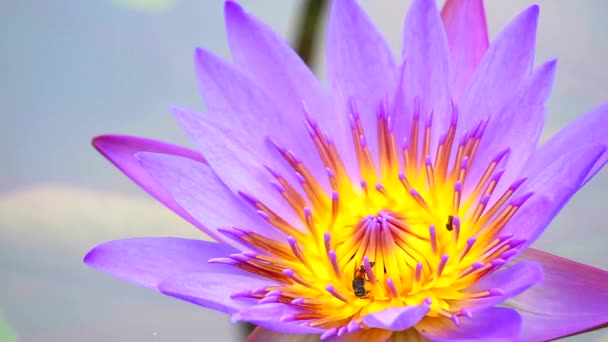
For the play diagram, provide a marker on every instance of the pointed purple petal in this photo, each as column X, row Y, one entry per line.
column 552, row 187
column 397, row 318
column 239, row 165
column 517, row 126
column 491, row 325
column 148, row 261
column 506, row 63
column 426, row 73
column 236, row 102
column 360, row 65
column 121, row 150
column 268, row 315
column 258, row 51
column 573, row 298
column 511, row 282
column 588, row 129
column 197, row 189
column 465, row 24
column 213, row 290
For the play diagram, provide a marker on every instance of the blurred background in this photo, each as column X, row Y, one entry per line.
column 73, row 69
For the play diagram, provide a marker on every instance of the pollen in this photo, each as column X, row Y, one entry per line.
column 412, row 227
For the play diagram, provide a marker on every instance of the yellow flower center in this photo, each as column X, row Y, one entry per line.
column 407, row 232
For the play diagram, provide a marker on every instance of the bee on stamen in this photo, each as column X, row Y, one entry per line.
column 450, row 225
column 359, row 280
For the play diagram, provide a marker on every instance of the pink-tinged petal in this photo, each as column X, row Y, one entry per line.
column 507, row 62
column 236, row 102
column 260, row 334
column 121, row 150
column 573, row 298
column 588, row 129
column 197, row 189
column 425, row 75
column 258, row 51
column 517, row 126
column 360, row 66
column 238, row 164
column 505, row 284
column 269, row 316
column 149, row 261
column 214, row 290
column 552, row 187
column 397, row 318
column 491, row 325
column 467, row 31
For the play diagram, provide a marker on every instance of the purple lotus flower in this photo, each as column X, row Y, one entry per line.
column 400, row 203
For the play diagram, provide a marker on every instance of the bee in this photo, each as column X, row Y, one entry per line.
column 359, row 279
column 450, row 225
